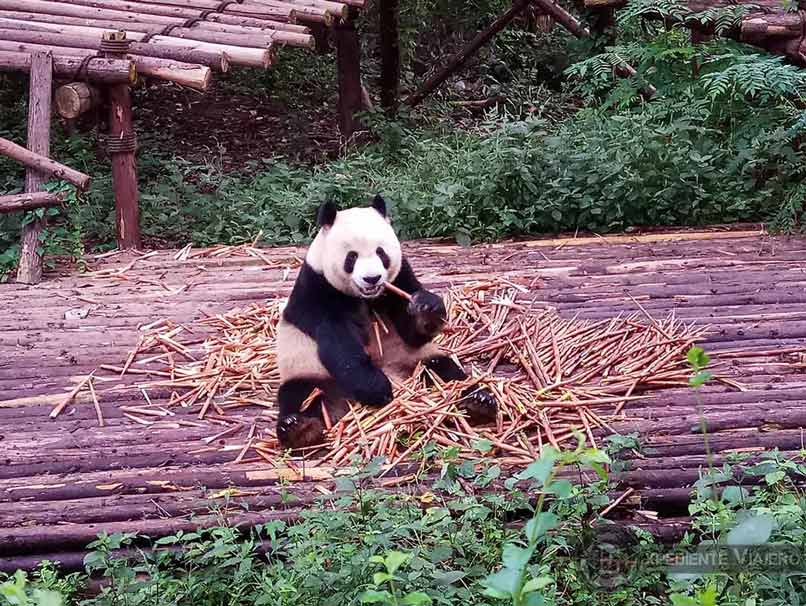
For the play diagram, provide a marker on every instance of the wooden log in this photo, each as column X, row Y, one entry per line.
column 252, row 26
column 186, row 74
column 286, row 22
column 29, row 201
column 758, row 27
column 262, row 39
column 90, row 39
column 389, row 29
column 308, row 14
column 40, row 539
column 99, row 70
column 74, row 99
column 239, row 55
column 348, row 66
column 48, row 8
column 43, row 164
column 460, row 58
column 39, row 91
column 272, row 11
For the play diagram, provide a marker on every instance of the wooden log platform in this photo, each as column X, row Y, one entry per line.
column 64, row 480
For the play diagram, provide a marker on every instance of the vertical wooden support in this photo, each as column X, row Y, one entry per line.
column 348, row 65
column 30, row 268
column 389, row 27
column 124, row 166
column 320, row 34
column 122, row 145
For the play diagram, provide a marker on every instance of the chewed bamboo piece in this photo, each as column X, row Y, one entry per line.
column 553, row 377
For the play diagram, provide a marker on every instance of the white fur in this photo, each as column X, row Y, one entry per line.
column 362, row 230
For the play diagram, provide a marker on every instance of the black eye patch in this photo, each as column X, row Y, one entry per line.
column 383, row 257
column 349, row 261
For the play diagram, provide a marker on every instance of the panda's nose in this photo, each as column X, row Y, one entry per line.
column 372, row 279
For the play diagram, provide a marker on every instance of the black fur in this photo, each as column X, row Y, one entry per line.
column 327, row 214
column 379, row 204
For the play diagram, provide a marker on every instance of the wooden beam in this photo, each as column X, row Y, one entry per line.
column 97, row 70
column 29, row 201
column 389, row 27
column 460, row 58
column 348, row 66
column 23, row 31
column 43, row 164
column 122, row 146
column 74, row 99
column 39, row 91
column 186, row 74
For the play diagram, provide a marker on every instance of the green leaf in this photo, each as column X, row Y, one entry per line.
column 561, row 488
column 374, row 597
column 541, row 469
column 379, row 578
column 754, row 530
column 734, row 495
column 483, row 446
column 697, row 358
column 700, row 379
column 448, row 578
column 537, row 583
column 417, row 598
column 678, row 599
column 540, row 524
column 516, row 557
column 774, row 477
column 394, row 560
column 503, row 584
column 47, row 598
column 534, row 599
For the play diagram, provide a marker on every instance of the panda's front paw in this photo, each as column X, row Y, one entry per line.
column 375, row 390
column 298, row 431
column 429, row 313
column 480, row 405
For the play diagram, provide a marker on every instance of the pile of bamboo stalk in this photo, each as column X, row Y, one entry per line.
column 553, row 377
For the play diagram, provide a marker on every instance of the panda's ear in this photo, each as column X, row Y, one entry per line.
column 379, row 204
column 327, row 214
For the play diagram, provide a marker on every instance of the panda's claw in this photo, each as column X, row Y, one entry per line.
column 480, row 405
column 429, row 313
column 298, row 431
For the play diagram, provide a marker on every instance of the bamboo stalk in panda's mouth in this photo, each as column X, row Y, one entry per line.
column 400, row 292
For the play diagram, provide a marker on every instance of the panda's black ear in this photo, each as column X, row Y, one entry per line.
column 379, row 204
column 327, row 214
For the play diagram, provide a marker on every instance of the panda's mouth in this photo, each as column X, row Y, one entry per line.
column 370, row 292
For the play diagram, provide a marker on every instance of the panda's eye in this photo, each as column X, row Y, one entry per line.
column 383, row 257
column 349, row 261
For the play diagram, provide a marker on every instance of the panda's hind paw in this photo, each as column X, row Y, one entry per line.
column 480, row 405
column 298, row 431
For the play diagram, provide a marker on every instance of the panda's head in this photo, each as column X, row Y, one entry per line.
column 356, row 249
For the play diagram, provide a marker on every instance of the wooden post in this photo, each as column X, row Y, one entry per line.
column 30, row 268
column 320, row 34
column 698, row 37
column 459, row 59
column 389, row 27
column 348, row 65
column 122, row 144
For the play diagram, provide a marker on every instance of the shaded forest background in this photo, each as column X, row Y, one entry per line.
column 536, row 135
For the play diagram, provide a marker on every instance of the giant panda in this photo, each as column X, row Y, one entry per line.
column 325, row 338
